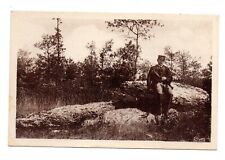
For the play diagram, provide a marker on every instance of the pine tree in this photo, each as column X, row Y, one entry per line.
column 135, row 29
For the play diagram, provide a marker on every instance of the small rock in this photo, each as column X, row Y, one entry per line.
column 172, row 113
column 151, row 119
column 56, row 131
column 173, row 119
column 90, row 122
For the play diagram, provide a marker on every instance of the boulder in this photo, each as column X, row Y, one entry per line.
column 137, row 94
column 188, row 95
column 65, row 116
column 128, row 117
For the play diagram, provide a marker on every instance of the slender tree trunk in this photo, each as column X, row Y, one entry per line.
column 183, row 74
column 102, row 63
column 136, row 56
column 58, row 53
column 48, row 67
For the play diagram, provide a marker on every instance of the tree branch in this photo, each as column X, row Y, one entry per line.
column 130, row 29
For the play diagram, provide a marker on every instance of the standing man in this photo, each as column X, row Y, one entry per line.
column 159, row 80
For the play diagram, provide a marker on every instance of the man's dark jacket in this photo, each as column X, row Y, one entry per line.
column 155, row 76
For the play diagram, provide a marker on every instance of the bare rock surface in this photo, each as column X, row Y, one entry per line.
column 126, row 117
column 182, row 94
column 66, row 115
column 188, row 95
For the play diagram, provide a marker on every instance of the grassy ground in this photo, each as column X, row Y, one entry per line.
column 96, row 133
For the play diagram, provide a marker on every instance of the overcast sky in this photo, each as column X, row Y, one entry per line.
column 191, row 35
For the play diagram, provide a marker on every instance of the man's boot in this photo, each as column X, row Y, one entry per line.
column 161, row 103
column 168, row 105
column 159, row 109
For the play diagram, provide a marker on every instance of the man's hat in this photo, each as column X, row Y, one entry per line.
column 162, row 57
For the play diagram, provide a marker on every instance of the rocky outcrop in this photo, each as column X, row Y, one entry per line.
column 137, row 94
column 66, row 115
column 106, row 113
column 188, row 95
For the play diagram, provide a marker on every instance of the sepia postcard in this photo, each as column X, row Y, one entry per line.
column 113, row 80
